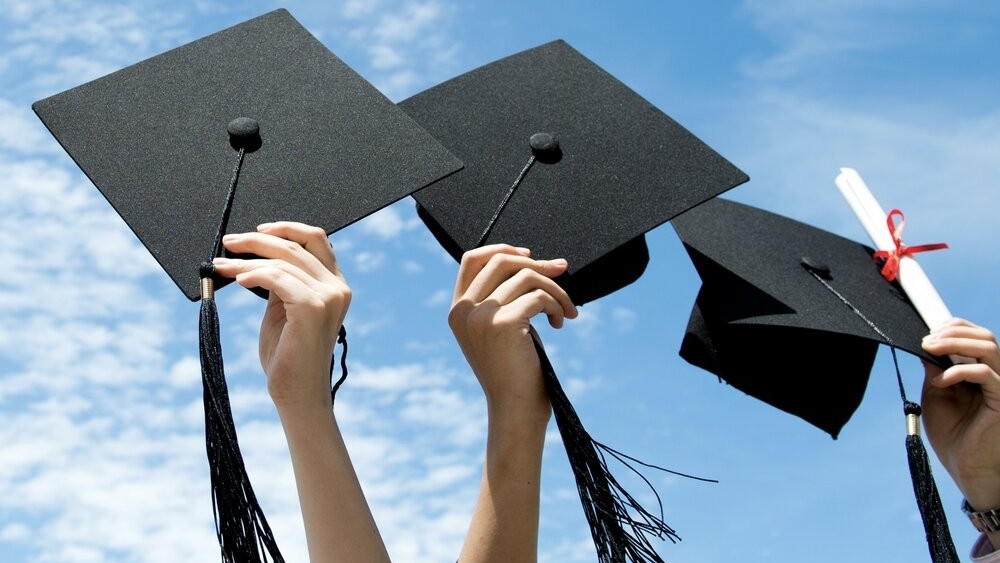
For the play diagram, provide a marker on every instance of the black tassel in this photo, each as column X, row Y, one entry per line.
column 620, row 526
column 341, row 339
column 939, row 541
column 243, row 533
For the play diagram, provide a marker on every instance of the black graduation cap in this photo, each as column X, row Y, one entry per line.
column 153, row 138
column 563, row 158
column 761, row 314
column 256, row 123
column 794, row 315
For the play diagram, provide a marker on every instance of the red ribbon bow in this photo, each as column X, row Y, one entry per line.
column 890, row 269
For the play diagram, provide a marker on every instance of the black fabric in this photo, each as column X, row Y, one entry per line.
column 622, row 167
column 764, row 323
column 153, row 138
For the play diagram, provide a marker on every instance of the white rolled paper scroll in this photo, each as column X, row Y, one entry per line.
column 912, row 278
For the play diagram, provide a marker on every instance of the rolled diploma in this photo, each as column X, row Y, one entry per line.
column 912, row 278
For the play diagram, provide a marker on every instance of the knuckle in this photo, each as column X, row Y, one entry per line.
column 335, row 297
column 992, row 349
column 315, row 233
column 291, row 246
column 458, row 313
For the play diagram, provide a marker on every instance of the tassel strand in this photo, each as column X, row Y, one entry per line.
column 620, row 526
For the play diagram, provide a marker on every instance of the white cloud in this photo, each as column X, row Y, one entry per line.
column 808, row 33
column 386, row 223
column 185, row 373
column 412, row 267
column 576, row 386
column 587, row 323
column 69, row 42
column 415, row 19
column 408, row 43
column 396, row 378
column 366, row 262
column 20, row 130
column 356, row 9
column 622, row 319
column 384, row 57
column 937, row 165
column 439, row 298
column 15, row 532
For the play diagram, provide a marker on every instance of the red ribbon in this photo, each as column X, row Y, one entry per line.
column 890, row 269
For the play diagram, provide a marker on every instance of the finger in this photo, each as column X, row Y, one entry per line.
column 272, row 247
column 530, row 304
column 474, row 260
column 280, row 283
column 283, row 284
column 235, row 267
column 526, row 281
column 502, row 267
column 962, row 328
column 955, row 322
column 969, row 341
column 984, row 379
column 313, row 239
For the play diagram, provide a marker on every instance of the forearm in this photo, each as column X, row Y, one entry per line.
column 338, row 522
column 504, row 524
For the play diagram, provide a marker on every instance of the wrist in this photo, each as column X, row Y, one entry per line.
column 515, row 435
column 303, row 388
column 987, row 521
column 304, row 415
column 520, row 420
column 515, row 447
column 981, row 494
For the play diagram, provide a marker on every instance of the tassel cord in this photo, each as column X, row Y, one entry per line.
column 341, row 339
column 939, row 541
column 242, row 530
column 235, row 506
column 620, row 526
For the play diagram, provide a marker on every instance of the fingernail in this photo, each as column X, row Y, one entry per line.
column 221, row 260
column 523, row 250
column 561, row 262
column 264, row 226
column 930, row 338
column 230, row 238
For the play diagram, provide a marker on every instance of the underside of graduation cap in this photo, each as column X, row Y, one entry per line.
column 563, row 158
column 802, row 372
column 789, row 313
column 160, row 140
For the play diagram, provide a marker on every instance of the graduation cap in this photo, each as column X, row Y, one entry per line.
column 794, row 315
column 255, row 123
column 563, row 158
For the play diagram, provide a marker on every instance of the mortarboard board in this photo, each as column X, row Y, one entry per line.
column 794, row 315
column 563, row 158
column 153, row 138
column 608, row 165
column 263, row 106
column 758, row 286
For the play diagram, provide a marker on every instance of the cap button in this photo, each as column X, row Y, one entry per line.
column 545, row 147
column 244, row 133
column 816, row 267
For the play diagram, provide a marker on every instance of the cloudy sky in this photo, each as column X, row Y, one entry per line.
column 101, row 430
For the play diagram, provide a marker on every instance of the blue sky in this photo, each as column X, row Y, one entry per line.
column 101, row 441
